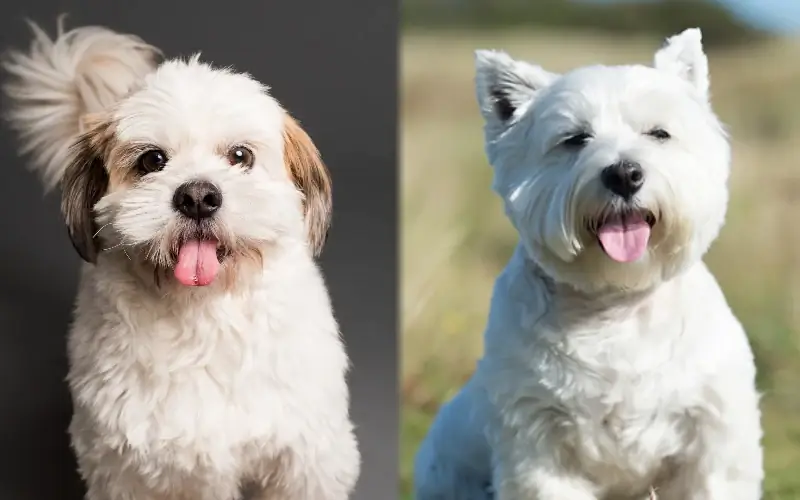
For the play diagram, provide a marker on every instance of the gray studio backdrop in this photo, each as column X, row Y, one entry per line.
column 333, row 65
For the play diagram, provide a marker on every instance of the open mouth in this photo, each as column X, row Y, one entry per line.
column 198, row 262
column 624, row 236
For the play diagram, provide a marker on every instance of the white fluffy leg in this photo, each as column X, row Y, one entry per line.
column 322, row 468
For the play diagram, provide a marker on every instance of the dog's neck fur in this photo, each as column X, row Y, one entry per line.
column 584, row 305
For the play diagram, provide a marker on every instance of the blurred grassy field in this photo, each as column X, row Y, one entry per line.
column 455, row 238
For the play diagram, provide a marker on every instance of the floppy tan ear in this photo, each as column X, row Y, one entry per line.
column 85, row 181
column 312, row 178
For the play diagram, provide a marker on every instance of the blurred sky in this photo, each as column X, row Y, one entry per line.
column 782, row 16
column 779, row 16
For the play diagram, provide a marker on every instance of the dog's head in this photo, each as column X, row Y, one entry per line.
column 196, row 172
column 614, row 176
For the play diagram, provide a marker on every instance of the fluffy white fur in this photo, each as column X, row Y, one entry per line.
column 180, row 392
column 602, row 379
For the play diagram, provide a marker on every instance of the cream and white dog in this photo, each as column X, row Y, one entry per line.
column 205, row 360
column 612, row 363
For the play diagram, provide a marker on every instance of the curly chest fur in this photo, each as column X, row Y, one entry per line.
column 197, row 385
column 627, row 421
column 629, row 437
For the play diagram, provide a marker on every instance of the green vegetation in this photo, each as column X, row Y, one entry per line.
column 455, row 238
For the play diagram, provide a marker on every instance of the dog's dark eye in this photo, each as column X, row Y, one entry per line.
column 152, row 161
column 659, row 133
column 577, row 140
column 240, row 155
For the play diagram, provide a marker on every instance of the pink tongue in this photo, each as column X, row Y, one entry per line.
column 197, row 263
column 624, row 239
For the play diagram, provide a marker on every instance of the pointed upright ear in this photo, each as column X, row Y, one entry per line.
column 683, row 55
column 504, row 85
column 85, row 181
column 312, row 179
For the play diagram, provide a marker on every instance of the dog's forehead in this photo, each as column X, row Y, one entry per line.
column 617, row 81
column 595, row 91
column 194, row 99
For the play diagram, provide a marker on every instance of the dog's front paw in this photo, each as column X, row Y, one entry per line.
column 543, row 485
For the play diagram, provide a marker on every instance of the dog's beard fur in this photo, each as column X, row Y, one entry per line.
column 158, row 255
column 553, row 193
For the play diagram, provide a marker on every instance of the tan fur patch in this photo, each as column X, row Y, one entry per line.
column 118, row 159
column 85, row 181
column 121, row 164
column 89, row 121
column 311, row 176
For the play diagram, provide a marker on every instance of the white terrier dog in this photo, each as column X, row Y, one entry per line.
column 612, row 362
column 204, row 356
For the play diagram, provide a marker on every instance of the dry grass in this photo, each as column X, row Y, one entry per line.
column 455, row 238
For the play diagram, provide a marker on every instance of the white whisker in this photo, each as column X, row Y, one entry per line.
column 98, row 231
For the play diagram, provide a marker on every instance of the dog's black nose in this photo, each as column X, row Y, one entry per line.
column 623, row 178
column 198, row 200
